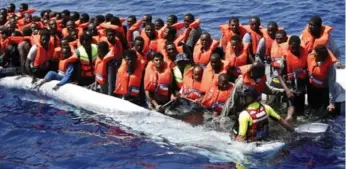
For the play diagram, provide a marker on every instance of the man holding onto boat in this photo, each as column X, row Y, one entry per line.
column 253, row 122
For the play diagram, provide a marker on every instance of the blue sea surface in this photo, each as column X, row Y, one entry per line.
column 39, row 132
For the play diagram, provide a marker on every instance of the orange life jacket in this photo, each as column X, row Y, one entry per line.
column 117, row 48
column 194, row 25
column 140, row 56
column 255, row 38
column 247, row 80
column 167, row 59
column 226, row 34
column 209, row 76
column 310, row 42
column 101, row 67
column 260, row 124
column 319, row 74
column 157, row 82
column 42, row 56
column 63, row 64
column 236, row 61
column 215, row 99
column 178, row 26
column 296, row 67
column 149, row 44
column 203, row 58
column 278, row 51
column 191, row 88
column 29, row 11
column 126, row 84
column 129, row 33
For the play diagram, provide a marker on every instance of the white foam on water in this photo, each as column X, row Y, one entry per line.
column 217, row 146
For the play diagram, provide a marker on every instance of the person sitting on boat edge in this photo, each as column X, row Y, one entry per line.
column 66, row 70
column 128, row 84
column 217, row 95
column 191, row 88
column 253, row 122
column 158, row 82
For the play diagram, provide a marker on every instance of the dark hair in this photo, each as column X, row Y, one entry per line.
column 294, row 40
column 273, row 23
column 66, row 12
column 172, row 30
column 86, row 35
column 133, row 17
column 282, row 32
column 174, row 18
column 256, row 18
column 115, row 21
column 149, row 17
column 103, row 46
column 27, row 31
column 108, row 17
column 101, row 18
column 12, row 5
column 190, row 16
column 219, row 51
column 139, row 38
column 130, row 53
column 85, row 16
column 316, row 20
column 160, row 21
column 158, row 55
column 44, row 32
column 233, row 19
column 322, row 50
column 25, row 6
column 236, row 38
column 76, row 15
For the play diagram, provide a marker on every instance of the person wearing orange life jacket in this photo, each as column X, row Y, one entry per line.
column 182, row 65
column 104, row 69
column 253, row 36
column 158, row 24
column 86, row 54
column 252, row 75
column 191, row 88
column 203, row 49
column 3, row 19
column 92, row 28
column 213, row 69
column 138, row 46
column 24, row 47
column 115, row 23
column 40, row 55
column 322, row 72
column 169, row 54
column 252, row 124
column 133, row 28
column 74, row 16
column 147, row 19
column 24, row 8
column 24, row 22
column 83, row 21
column 296, row 77
column 10, row 60
column 228, row 30
column 317, row 34
column 129, row 78
column 57, row 56
column 194, row 34
column 236, row 55
column 65, row 73
column 150, row 38
column 70, row 25
column 217, row 95
column 11, row 8
column 113, row 42
column 264, row 45
column 157, row 83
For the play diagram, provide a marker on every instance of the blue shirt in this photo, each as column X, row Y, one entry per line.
column 68, row 74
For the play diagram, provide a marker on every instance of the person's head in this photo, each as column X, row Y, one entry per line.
column 74, row 16
column 215, row 61
column 92, row 28
column 181, row 60
column 45, row 14
column 3, row 19
column 3, row 11
column 11, row 7
column 70, row 25
column 110, row 34
column 130, row 58
column 197, row 73
column 171, row 50
column 150, row 31
column 205, row 40
column 172, row 19
column 44, row 37
column 158, row 24
column 255, row 23
column 66, row 52
column 170, row 33
column 108, row 17
column 147, row 19
column 65, row 14
column 131, row 20
column 5, row 33
column 64, row 42
column 73, row 34
column 222, row 82
column 16, row 33
column 84, row 18
column 294, row 44
column 58, row 16
column 315, row 25
column 158, row 60
column 99, row 19
column 23, row 7
column 27, row 31
column 52, row 25
column 12, row 27
column 281, row 36
column 115, row 21
column 35, row 28
column 234, row 24
column 272, row 28
column 86, row 38
column 138, row 43
column 257, row 70
column 52, row 14
column 102, row 49
column 249, row 94
column 321, row 53
column 236, row 42
column 188, row 19
column 27, row 18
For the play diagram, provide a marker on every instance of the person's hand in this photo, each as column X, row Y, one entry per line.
column 288, row 119
column 56, row 87
column 331, row 107
column 158, row 107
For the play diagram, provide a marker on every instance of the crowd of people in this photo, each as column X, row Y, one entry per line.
column 150, row 63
